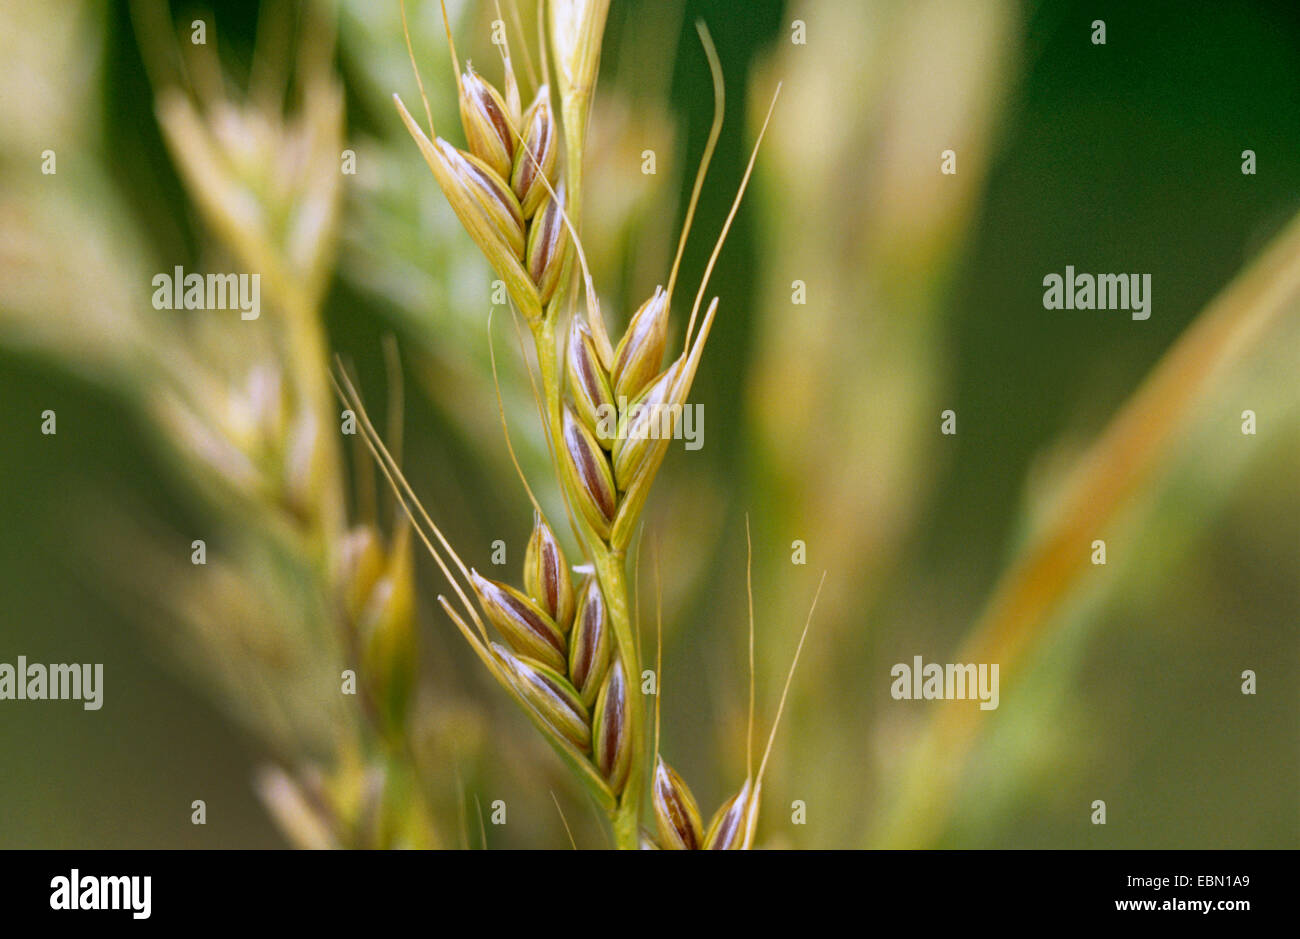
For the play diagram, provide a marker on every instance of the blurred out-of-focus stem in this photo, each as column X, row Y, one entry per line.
column 1131, row 451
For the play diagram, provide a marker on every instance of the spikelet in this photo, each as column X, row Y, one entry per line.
column 676, row 814
column 589, row 384
column 590, row 643
column 524, row 625
column 728, row 829
column 641, row 350
column 611, row 729
column 503, row 187
column 497, row 199
column 589, row 473
column 637, row 433
column 646, row 422
column 537, row 157
column 478, row 196
column 489, row 132
column 548, row 240
column 546, row 575
column 379, row 598
column 551, row 694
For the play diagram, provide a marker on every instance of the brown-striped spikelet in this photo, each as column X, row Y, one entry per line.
column 727, row 830
column 676, row 814
column 612, row 739
column 546, row 575
column 526, row 627
column 590, row 643
column 551, row 694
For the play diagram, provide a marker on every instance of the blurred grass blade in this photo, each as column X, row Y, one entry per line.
column 1134, row 450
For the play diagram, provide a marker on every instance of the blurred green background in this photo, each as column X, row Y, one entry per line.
column 924, row 293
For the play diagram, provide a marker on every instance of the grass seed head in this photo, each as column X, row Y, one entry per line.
column 570, row 656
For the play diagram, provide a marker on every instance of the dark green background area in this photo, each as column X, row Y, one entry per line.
column 1117, row 158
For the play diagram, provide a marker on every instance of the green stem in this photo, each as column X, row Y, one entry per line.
column 610, row 571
